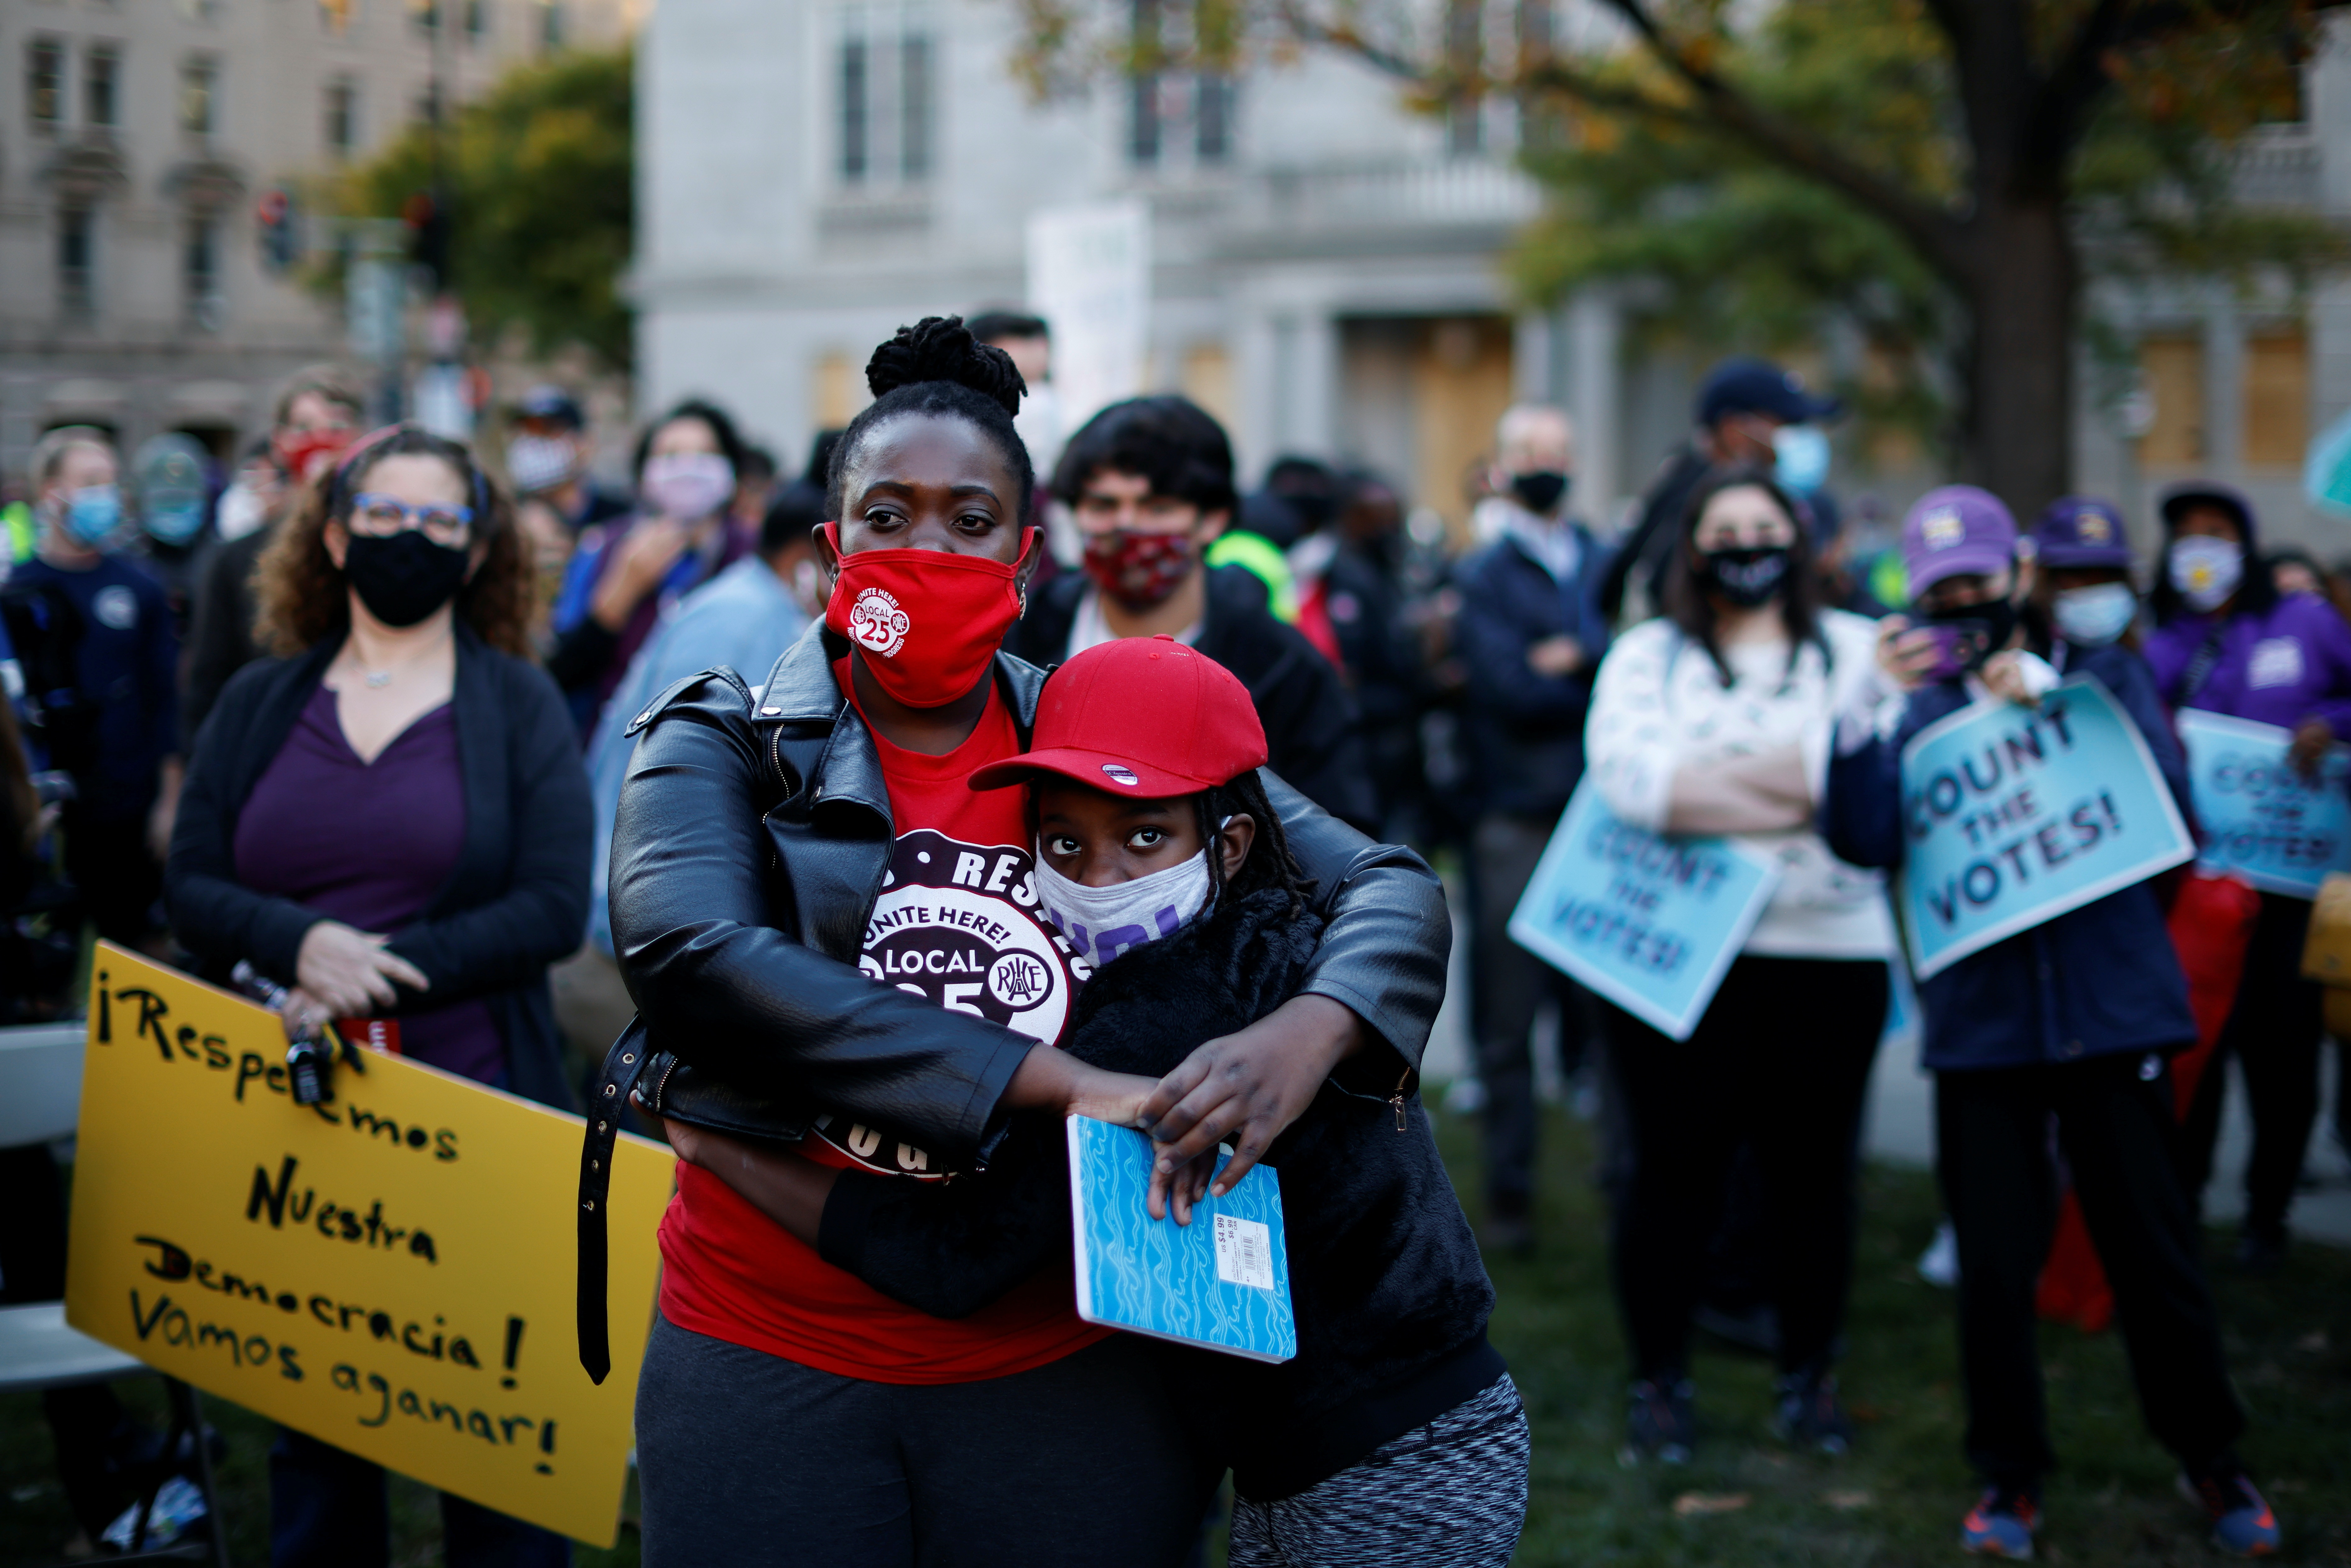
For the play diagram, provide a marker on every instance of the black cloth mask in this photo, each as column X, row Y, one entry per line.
column 1746, row 577
column 403, row 579
column 1539, row 491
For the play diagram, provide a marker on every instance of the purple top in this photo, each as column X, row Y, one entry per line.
column 370, row 844
column 2293, row 663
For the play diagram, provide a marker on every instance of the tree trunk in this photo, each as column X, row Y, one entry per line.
column 2017, row 433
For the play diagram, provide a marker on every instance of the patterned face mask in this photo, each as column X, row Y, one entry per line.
column 1140, row 570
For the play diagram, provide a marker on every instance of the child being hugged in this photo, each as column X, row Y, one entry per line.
column 1395, row 1434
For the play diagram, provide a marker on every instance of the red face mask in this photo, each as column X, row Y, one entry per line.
column 928, row 621
column 299, row 449
column 1139, row 570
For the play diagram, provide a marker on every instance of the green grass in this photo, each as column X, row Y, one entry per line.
column 1897, row 1499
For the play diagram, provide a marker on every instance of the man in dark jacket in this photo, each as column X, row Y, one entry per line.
column 1531, row 632
column 1740, row 407
column 318, row 415
column 1151, row 481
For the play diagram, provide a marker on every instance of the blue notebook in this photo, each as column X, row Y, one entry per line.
column 1222, row 1282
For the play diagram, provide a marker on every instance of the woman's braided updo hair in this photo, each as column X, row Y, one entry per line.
column 935, row 367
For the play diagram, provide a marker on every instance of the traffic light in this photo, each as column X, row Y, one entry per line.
column 276, row 215
column 427, row 218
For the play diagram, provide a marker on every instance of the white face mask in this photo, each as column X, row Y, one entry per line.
column 2206, row 570
column 2095, row 616
column 240, row 512
column 1103, row 922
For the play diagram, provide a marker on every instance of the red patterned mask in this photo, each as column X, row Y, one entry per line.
column 1140, row 570
column 927, row 622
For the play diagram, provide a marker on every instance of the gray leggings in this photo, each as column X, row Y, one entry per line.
column 750, row 1460
column 1452, row 1494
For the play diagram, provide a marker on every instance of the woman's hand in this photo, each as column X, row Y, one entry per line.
column 2312, row 739
column 2005, row 677
column 1905, row 652
column 1247, row 1087
column 640, row 561
column 350, row 973
column 788, row 1189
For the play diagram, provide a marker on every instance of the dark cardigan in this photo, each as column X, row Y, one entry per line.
column 517, row 901
column 1390, row 1294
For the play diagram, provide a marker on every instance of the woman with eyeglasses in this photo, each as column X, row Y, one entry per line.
column 390, row 819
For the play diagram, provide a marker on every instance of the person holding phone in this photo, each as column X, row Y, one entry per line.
column 1714, row 718
column 2072, row 1020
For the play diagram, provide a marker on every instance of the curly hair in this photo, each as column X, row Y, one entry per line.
column 303, row 595
column 935, row 367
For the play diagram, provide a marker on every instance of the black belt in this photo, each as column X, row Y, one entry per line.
column 625, row 1064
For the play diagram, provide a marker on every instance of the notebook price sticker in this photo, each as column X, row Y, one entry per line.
column 1244, row 1252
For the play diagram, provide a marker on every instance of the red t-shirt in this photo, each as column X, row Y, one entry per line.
column 953, row 923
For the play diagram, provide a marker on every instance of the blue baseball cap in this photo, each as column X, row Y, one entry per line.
column 1956, row 531
column 2082, row 531
column 1748, row 385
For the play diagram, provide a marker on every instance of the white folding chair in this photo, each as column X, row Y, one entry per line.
column 41, row 1065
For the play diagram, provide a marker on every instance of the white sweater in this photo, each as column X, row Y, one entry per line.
column 1658, row 706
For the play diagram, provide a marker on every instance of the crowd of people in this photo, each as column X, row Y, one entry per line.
column 1191, row 752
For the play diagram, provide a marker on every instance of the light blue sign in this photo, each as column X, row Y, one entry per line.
column 1650, row 921
column 2013, row 815
column 2261, row 818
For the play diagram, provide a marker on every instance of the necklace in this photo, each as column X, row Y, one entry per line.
column 376, row 678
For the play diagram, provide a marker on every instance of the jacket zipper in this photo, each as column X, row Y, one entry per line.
column 1397, row 1099
column 663, row 1082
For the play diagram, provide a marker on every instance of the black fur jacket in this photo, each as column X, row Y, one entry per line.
column 1390, row 1295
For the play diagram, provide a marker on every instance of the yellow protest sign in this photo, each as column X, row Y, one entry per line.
column 391, row 1271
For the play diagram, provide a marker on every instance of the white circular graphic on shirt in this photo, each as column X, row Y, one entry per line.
column 117, row 607
column 957, row 925
column 877, row 625
column 1120, row 775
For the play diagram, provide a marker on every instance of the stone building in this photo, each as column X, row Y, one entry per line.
column 143, row 146
column 813, row 173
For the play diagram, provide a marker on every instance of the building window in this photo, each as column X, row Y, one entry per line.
column 77, row 261
column 1144, row 116
column 425, row 15
column 199, row 83
column 45, row 83
column 200, row 273
column 853, row 97
column 885, row 78
column 2277, row 397
column 342, row 117
column 550, row 24
column 477, row 18
column 426, row 109
column 1212, row 119
column 98, row 87
column 2171, row 370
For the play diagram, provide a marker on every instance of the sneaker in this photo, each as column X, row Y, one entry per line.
column 1806, row 1414
column 1660, row 1423
column 2001, row 1524
column 2243, row 1524
column 1939, row 1264
column 2260, row 1253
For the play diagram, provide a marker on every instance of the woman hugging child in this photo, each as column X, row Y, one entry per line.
column 1395, row 1434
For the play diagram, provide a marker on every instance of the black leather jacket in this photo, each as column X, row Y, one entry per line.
column 750, row 848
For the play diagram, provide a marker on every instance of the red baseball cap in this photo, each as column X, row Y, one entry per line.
column 1141, row 716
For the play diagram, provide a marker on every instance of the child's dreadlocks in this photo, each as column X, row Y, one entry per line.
column 1270, row 865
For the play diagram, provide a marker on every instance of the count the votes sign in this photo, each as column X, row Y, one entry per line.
column 1650, row 921
column 2013, row 815
column 391, row 1271
column 2261, row 818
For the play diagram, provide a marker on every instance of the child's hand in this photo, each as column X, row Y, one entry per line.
column 1247, row 1087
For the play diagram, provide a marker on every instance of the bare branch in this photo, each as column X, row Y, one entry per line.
column 1933, row 233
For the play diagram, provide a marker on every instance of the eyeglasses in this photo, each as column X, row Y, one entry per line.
column 380, row 516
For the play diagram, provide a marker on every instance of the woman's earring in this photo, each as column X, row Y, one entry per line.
column 1022, row 594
